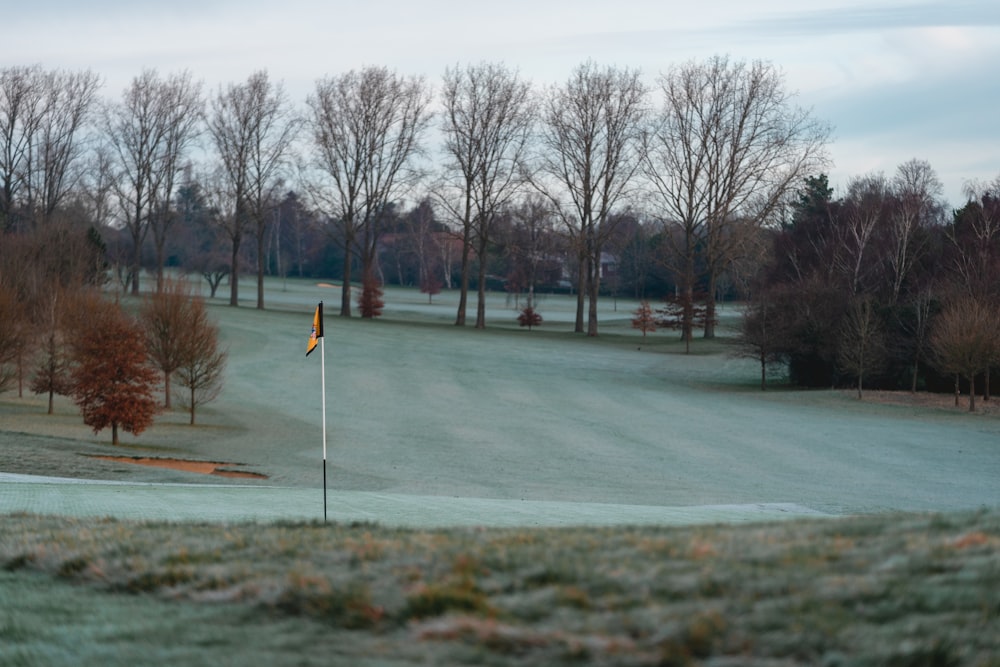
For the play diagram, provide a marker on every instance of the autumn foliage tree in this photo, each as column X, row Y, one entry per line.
column 112, row 381
column 370, row 301
column 643, row 319
column 430, row 285
column 201, row 361
column 182, row 341
column 10, row 335
column 166, row 317
column 529, row 317
column 965, row 340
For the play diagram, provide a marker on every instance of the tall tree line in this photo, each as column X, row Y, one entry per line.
column 860, row 288
column 683, row 183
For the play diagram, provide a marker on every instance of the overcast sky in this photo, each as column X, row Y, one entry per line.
column 897, row 79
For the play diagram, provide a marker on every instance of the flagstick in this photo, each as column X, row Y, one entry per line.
column 322, row 360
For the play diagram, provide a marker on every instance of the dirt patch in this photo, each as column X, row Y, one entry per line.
column 201, row 467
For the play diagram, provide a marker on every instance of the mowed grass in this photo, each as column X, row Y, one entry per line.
column 417, row 406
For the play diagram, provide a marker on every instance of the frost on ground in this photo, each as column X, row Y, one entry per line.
column 418, row 407
column 878, row 590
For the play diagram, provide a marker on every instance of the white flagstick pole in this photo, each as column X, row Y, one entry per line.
column 322, row 360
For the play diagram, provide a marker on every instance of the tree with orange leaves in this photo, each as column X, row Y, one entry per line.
column 112, row 381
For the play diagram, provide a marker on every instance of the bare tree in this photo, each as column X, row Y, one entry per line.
column 57, row 164
column 42, row 117
column 588, row 155
column 532, row 242
column 421, row 226
column 53, row 368
column 366, row 127
column 727, row 148
column 252, row 127
column 916, row 325
column 22, row 106
column 862, row 347
column 917, row 190
column 965, row 340
column 975, row 237
column 165, row 317
column 202, row 363
column 147, row 132
column 866, row 209
column 487, row 120
column 182, row 109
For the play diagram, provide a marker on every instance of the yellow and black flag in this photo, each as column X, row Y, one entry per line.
column 317, row 330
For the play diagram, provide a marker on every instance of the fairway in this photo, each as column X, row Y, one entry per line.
column 430, row 424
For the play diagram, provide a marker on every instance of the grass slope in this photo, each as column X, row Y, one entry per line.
column 417, row 406
column 906, row 590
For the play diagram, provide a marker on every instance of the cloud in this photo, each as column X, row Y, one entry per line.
column 869, row 17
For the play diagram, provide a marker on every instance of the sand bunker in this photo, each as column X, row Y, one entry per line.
column 203, row 467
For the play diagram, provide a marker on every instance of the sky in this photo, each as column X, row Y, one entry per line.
column 896, row 79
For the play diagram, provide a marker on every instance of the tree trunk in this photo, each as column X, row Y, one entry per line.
column 687, row 316
column 160, row 260
column 114, row 433
column 260, row 272
column 593, row 286
column 345, row 289
column 136, row 265
column 481, row 302
column 710, row 306
column 861, row 369
column 972, row 392
column 192, row 406
column 166, row 390
column 581, row 290
column 763, row 372
column 234, row 273
column 463, row 293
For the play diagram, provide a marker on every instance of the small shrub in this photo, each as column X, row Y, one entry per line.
column 529, row 318
column 643, row 319
column 370, row 301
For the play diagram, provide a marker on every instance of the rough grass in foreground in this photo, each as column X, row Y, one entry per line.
column 880, row 590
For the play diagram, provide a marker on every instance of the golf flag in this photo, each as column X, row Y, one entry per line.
column 314, row 340
column 317, row 330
